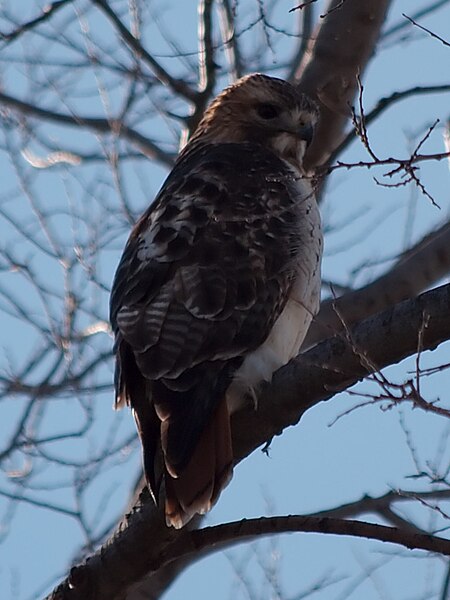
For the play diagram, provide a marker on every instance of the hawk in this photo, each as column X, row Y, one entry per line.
column 216, row 288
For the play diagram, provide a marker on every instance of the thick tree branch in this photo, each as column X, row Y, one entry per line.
column 418, row 268
column 330, row 367
column 329, row 69
column 156, row 583
column 333, row 365
column 223, row 536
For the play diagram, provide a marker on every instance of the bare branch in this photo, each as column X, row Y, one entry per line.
column 306, row 27
column 98, row 124
column 446, row 584
column 419, row 267
column 47, row 12
column 423, row 12
column 82, row 585
column 230, row 533
column 382, row 105
column 230, row 40
column 64, row 223
column 308, row 4
column 177, row 85
column 207, row 66
column 47, row 505
column 383, row 506
column 329, row 68
column 400, row 163
column 433, row 35
column 310, row 378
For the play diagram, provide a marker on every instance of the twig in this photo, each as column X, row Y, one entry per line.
column 47, row 12
column 177, row 85
column 382, row 105
column 444, row 595
column 359, row 123
column 427, row 10
column 325, row 14
column 434, row 35
column 302, row 5
column 401, row 163
column 230, row 40
column 410, row 172
column 95, row 123
column 207, row 66
column 306, row 21
column 40, row 504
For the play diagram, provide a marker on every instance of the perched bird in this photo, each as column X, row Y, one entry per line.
column 217, row 286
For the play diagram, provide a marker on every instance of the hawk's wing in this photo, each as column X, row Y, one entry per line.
column 204, row 275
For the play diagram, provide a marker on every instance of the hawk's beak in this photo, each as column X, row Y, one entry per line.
column 306, row 134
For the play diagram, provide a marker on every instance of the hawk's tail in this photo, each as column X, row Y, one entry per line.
column 196, row 488
column 184, row 445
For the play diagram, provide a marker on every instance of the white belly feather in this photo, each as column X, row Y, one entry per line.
column 289, row 330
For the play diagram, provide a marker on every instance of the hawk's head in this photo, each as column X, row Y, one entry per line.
column 263, row 110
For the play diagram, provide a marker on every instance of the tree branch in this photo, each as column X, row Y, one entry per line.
column 177, row 85
column 333, row 365
column 318, row 375
column 383, row 506
column 230, row 40
column 382, row 105
column 418, row 268
column 223, row 536
column 207, row 66
column 422, row 12
column 46, row 14
column 329, row 68
column 98, row 124
column 306, row 26
column 431, row 33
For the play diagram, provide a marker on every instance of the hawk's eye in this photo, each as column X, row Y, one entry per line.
column 268, row 111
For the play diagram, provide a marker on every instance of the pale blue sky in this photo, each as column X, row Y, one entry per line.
column 312, row 466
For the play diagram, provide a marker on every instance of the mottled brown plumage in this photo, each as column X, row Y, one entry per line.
column 216, row 271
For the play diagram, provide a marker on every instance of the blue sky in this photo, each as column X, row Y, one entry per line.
column 314, row 466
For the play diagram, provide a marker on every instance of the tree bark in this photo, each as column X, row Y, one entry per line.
column 416, row 270
column 142, row 543
column 339, row 51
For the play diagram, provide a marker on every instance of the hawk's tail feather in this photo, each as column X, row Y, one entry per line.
column 133, row 389
column 191, row 486
column 209, row 470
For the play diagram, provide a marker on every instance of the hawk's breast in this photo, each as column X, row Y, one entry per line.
column 289, row 330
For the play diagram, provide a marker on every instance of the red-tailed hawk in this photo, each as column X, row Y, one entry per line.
column 217, row 286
